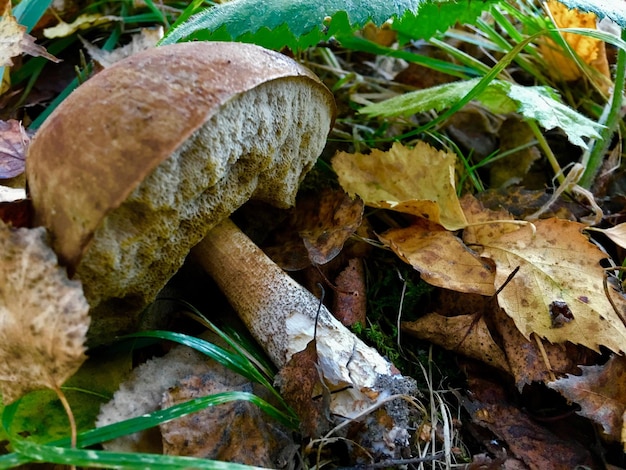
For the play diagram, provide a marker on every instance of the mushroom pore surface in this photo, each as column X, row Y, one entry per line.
column 259, row 145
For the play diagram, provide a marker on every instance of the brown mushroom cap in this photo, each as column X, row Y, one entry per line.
column 138, row 164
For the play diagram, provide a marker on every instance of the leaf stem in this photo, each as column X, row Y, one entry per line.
column 68, row 411
column 593, row 158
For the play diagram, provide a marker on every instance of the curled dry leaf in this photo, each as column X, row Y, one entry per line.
column 601, row 393
column 418, row 181
column 14, row 41
column 43, row 316
column 316, row 230
column 441, row 258
column 350, row 300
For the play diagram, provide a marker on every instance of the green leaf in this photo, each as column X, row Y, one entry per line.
column 537, row 102
column 615, row 10
column 437, row 17
column 296, row 24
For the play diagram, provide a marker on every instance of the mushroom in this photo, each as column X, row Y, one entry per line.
column 143, row 159
column 149, row 157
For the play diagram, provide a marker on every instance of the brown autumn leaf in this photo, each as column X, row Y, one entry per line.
column 237, row 431
column 465, row 334
column 557, row 265
column 317, row 230
column 514, row 133
column 14, row 41
column 327, row 221
column 418, row 181
column 526, row 439
column 590, row 50
column 301, row 386
column 350, row 299
column 43, row 316
column 13, row 144
column 442, row 259
column 601, row 393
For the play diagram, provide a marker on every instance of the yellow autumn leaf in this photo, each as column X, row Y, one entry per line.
column 442, row 259
column 43, row 316
column 559, row 272
column 418, row 181
column 590, row 50
column 84, row 21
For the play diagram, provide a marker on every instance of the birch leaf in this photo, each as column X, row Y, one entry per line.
column 559, row 271
column 43, row 316
column 417, row 181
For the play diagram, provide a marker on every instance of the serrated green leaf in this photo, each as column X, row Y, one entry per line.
column 536, row 102
column 301, row 18
column 437, row 17
column 615, row 10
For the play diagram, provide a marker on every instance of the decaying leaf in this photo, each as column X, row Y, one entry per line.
column 144, row 39
column 336, row 216
column 557, row 263
column 601, row 393
column 317, row 229
column 43, row 316
column 590, row 50
column 441, row 258
column 450, row 333
column 526, row 439
column 514, row 133
column 236, row 431
column 301, row 386
column 418, row 181
column 13, row 144
column 14, row 41
column 350, row 299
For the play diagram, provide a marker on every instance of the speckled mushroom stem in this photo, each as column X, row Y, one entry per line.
column 280, row 314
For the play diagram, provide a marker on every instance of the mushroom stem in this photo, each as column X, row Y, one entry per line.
column 281, row 315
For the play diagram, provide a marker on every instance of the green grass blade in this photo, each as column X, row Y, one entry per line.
column 29, row 12
column 103, row 459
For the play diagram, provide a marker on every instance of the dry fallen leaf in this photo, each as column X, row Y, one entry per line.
column 237, row 431
column 418, row 181
column 327, row 221
column 13, row 144
column 557, row 264
column 601, row 393
column 302, row 388
column 450, row 333
column 590, row 50
column 85, row 21
column 539, row 448
column 350, row 299
column 514, row 133
column 43, row 316
column 441, row 258
column 617, row 234
column 14, row 41
column 317, row 229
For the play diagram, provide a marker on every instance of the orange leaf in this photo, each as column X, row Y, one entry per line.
column 442, row 259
